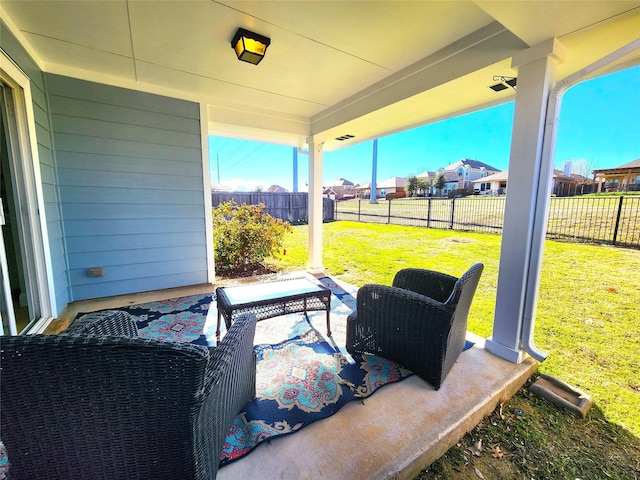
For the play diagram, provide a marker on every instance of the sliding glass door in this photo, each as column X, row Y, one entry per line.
column 19, row 305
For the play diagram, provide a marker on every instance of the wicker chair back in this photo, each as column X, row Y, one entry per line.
column 82, row 406
column 420, row 322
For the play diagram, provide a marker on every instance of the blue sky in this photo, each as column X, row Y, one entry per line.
column 599, row 128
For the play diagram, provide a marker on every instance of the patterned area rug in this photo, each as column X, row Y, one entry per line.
column 185, row 319
column 299, row 381
column 192, row 319
column 340, row 293
column 4, row 462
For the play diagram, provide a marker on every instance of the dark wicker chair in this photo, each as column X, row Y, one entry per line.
column 85, row 405
column 420, row 322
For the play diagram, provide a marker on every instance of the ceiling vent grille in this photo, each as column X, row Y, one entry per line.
column 345, row 137
column 505, row 82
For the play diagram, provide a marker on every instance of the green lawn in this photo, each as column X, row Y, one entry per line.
column 587, row 317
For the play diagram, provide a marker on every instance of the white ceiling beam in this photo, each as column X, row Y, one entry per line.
column 473, row 52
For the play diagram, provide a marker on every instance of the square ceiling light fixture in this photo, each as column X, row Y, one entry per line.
column 250, row 47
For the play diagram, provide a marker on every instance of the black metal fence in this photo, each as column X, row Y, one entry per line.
column 289, row 206
column 610, row 220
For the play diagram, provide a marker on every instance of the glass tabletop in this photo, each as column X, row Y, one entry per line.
column 272, row 290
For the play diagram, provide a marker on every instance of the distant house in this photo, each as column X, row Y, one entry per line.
column 218, row 187
column 329, row 193
column 342, row 188
column 393, row 185
column 363, row 190
column 582, row 184
column 496, row 184
column 427, row 174
column 461, row 174
column 452, row 181
column 563, row 185
column 276, row 189
column 625, row 178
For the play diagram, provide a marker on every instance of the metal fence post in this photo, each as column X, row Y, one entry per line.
column 429, row 213
column 389, row 213
column 453, row 208
column 359, row 202
column 615, row 229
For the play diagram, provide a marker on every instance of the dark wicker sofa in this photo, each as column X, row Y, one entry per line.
column 420, row 322
column 98, row 402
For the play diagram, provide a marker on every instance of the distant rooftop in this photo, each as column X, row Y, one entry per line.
column 219, row 187
column 632, row 164
column 473, row 164
column 500, row 176
column 340, row 182
column 393, row 182
column 276, row 189
column 493, row 178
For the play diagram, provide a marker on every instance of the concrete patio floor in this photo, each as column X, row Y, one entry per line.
column 394, row 434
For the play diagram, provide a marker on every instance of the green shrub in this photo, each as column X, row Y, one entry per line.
column 244, row 235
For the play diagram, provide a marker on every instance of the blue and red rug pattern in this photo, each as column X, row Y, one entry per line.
column 299, row 381
column 339, row 292
column 184, row 319
column 179, row 319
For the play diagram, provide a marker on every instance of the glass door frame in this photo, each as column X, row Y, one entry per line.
column 33, row 228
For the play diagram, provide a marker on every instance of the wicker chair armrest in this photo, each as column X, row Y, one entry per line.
column 436, row 285
column 233, row 360
column 108, row 322
column 230, row 382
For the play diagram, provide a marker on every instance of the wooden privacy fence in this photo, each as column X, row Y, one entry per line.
column 292, row 207
column 610, row 220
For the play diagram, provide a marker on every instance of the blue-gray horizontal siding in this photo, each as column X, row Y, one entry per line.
column 129, row 167
column 47, row 166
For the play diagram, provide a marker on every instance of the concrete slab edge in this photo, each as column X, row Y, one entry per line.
column 434, row 450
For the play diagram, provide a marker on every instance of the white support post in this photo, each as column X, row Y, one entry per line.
column 528, row 196
column 206, row 179
column 295, row 170
column 314, row 266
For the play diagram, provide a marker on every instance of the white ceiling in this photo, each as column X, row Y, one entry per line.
column 365, row 68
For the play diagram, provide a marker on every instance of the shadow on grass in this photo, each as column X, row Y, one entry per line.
column 527, row 437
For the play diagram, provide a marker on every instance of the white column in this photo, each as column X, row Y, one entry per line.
column 295, row 170
column 206, row 178
column 314, row 265
column 527, row 196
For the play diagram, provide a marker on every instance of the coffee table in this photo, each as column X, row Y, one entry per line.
column 272, row 299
